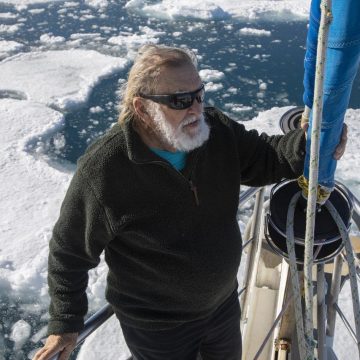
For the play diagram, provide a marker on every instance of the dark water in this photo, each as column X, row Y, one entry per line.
column 246, row 61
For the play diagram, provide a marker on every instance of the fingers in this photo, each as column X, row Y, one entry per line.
column 340, row 149
column 304, row 122
column 39, row 354
column 46, row 353
column 305, row 126
column 56, row 343
column 344, row 133
column 65, row 354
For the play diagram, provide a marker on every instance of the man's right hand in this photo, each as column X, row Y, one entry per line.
column 54, row 343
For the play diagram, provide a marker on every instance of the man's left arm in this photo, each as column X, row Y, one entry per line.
column 271, row 158
column 267, row 159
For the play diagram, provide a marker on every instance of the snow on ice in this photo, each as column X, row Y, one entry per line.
column 256, row 32
column 222, row 9
column 32, row 186
column 61, row 79
column 9, row 47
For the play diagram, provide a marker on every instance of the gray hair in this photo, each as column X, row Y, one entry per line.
column 144, row 73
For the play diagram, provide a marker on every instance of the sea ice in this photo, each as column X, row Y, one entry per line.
column 32, row 189
column 9, row 47
column 9, row 29
column 71, row 4
column 61, row 79
column 211, row 75
column 22, row 4
column 255, row 32
column 281, row 10
column 30, row 192
column 97, row 3
column 8, row 15
column 77, row 36
column 170, row 9
column 237, row 108
column 49, row 39
column 262, row 86
column 20, row 332
column 32, row 186
column 96, row 109
column 133, row 41
column 36, row 11
column 212, row 87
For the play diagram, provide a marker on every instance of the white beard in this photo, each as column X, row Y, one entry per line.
column 178, row 137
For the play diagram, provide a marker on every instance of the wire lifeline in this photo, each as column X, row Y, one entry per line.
column 314, row 169
column 350, row 258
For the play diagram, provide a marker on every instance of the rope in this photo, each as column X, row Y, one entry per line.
column 350, row 258
column 290, row 243
column 313, row 175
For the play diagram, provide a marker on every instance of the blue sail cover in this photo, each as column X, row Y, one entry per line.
column 342, row 62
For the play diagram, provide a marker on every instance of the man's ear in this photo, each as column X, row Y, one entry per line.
column 141, row 110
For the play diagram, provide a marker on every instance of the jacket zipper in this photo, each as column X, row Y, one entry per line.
column 194, row 190
column 193, row 187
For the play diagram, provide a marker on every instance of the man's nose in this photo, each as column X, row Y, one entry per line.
column 196, row 108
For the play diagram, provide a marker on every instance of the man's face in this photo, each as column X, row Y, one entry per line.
column 182, row 130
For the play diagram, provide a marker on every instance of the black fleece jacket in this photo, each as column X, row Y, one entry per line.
column 171, row 239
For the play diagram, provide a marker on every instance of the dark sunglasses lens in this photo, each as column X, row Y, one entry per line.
column 184, row 101
column 181, row 101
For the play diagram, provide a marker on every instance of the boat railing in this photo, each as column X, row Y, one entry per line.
column 337, row 280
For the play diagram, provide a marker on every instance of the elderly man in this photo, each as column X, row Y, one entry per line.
column 159, row 195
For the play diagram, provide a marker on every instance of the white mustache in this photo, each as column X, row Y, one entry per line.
column 191, row 119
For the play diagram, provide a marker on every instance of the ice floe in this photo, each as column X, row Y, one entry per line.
column 211, row 75
column 49, row 39
column 255, row 32
column 132, row 41
column 61, row 79
column 281, row 10
column 9, row 47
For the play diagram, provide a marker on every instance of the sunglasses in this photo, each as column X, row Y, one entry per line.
column 178, row 101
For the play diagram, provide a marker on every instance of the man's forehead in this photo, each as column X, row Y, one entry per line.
column 185, row 78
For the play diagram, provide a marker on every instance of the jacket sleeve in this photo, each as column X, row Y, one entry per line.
column 79, row 236
column 267, row 159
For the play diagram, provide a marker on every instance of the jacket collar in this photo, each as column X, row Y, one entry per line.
column 139, row 152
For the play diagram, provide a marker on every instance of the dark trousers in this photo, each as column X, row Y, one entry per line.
column 215, row 338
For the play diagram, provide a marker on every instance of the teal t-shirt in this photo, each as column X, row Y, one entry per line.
column 176, row 159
